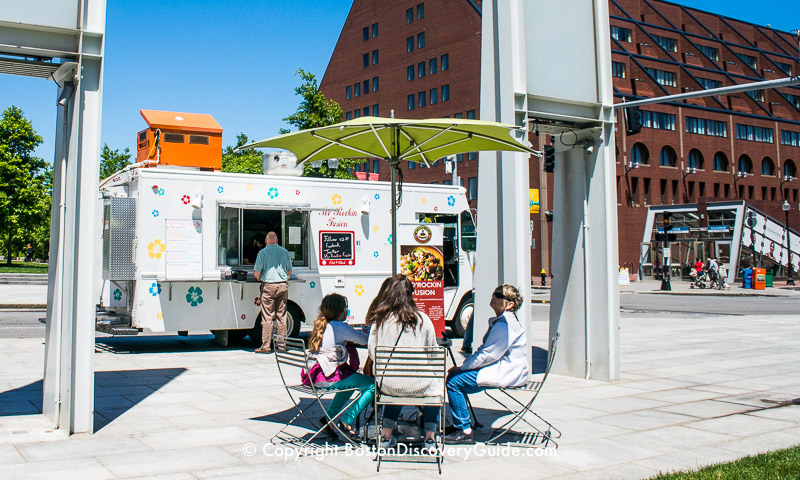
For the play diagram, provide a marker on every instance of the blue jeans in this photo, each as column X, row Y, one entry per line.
column 362, row 382
column 430, row 417
column 468, row 335
column 458, row 386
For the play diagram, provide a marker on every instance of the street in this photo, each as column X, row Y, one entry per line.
column 26, row 324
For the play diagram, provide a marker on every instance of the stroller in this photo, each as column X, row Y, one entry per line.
column 699, row 280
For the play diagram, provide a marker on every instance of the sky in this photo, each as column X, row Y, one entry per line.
column 235, row 60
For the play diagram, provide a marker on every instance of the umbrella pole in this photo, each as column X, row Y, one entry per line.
column 393, row 162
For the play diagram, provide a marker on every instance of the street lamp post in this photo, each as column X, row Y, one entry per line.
column 630, row 166
column 685, row 173
column 738, row 176
column 786, row 207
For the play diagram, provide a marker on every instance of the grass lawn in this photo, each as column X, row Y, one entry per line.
column 23, row 267
column 777, row 465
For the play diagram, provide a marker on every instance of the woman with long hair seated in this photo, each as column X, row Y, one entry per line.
column 337, row 362
column 396, row 321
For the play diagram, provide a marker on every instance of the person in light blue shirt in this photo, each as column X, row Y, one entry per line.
column 273, row 267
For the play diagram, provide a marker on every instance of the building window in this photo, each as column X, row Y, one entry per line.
column 374, row 57
column 410, row 73
column 789, row 169
column 366, row 60
column 365, row 33
column 458, row 115
column 621, row 34
column 374, row 30
column 421, row 40
column 471, row 114
column 618, row 69
column 412, row 165
column 412, row 102
column 695, row 159
column 374, row 84
column 421, row 96
column 366, row 87
column 757, row 95
column 745, row 165
column 472, row 156
column 720, row 162
column 445, row 63
column 375, row 111
column 433, row 95
column 787, row 69
column 667, row 157
column 658, row 120
column 753, row 133
column 447, row 182
column 710, row 52
column 639, row 154
column 348, row 92
column 748, row 59
column 473, row 188
column 357, row 113
column 420, row 11
column 667, row 43
column 348, row 116
column 767, row 167
column 409, row 15
column 704, row 126
column 366, row 111
column 790, row 138
column 376, row 166
column 445, row 93
column 432, row 66
column 708, row 83
column 668, row 79
column 357, row 88
column 421, row 69
column 795, row 99
column 410, row 44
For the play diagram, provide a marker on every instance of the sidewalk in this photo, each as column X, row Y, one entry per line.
column 692, row 393
column 683, row 287
column 23, row 296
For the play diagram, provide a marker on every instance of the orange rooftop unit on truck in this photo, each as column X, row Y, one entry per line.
column 180, row 139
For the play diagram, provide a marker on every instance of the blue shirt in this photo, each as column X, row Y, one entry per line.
column 274, row 264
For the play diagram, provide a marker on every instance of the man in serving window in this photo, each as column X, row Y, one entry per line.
column 273, row 267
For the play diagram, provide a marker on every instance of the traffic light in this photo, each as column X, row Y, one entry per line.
column 549, row 158
column 667, row 222
column 633, row 120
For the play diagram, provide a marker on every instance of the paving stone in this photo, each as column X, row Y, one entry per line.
column 78, row 469
column 742, row 426
column 706, row 408
column 197, row 437
column 9, row 454
column 167, row 461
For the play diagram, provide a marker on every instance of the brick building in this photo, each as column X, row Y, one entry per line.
column 422, row 60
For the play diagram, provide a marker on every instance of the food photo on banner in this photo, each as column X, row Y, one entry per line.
column 422, row 261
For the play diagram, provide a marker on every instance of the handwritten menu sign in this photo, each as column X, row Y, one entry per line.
column 336, row 248
column 184, row 253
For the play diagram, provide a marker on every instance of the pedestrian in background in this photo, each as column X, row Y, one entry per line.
column 29, row 253
column 273, row 267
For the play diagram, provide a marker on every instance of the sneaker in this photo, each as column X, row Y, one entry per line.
column 430, row 447
column 387, row 444
column 460, row 438
column 327, row 431
column 466, row 350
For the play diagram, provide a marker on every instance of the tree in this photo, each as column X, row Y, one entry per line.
column 316, row 110
column 25, row 186
column 111, row 161
column 243, row 161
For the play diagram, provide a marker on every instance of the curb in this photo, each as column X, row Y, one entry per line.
column 711, row 294
column 25, row 306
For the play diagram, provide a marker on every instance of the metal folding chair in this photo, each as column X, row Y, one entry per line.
column 518, row 410
column 413, row 363
column 292, row 356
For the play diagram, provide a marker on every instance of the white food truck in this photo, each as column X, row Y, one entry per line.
column 179, row 245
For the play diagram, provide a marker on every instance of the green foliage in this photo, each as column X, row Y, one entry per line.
column 25, row 187
column 767, row 466
column 316, row 110
column 243, row 161
column 111, row 161
column 24, row 267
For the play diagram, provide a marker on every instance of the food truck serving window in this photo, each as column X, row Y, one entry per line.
column 450, row 246
column 468, row 236
column 242, row 232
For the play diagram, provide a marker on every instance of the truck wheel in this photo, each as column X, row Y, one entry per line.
column 294, row 316
column 463, row 315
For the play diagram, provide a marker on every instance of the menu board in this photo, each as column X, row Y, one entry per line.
column 184, row 253
column 336, row 248
column 422, row 261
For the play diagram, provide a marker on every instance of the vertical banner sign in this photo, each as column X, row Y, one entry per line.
column 533, row 193
column 422, row 261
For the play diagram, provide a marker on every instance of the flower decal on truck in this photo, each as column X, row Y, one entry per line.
column 312, row 284
column 155, row 213
column 195, row 296
column 272, row 192
column 161, row 192
column 159, row 316
column 376, row 254
column 337, row 199
column 155, row 289
column 451, row 201
column 377, row 196
column 186, row 199
column 374, row 228
column 117, row 295
column 155, row 248
column 257, row 301
column 359, row 290
column 220, row 189
column 244, row 317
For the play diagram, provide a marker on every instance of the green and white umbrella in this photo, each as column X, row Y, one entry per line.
column 395, row 140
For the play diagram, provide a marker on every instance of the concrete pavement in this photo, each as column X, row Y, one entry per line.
column 693, row 392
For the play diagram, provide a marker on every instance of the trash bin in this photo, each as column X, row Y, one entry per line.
column 759, row 278
column 770, row 274
column 747, row 278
